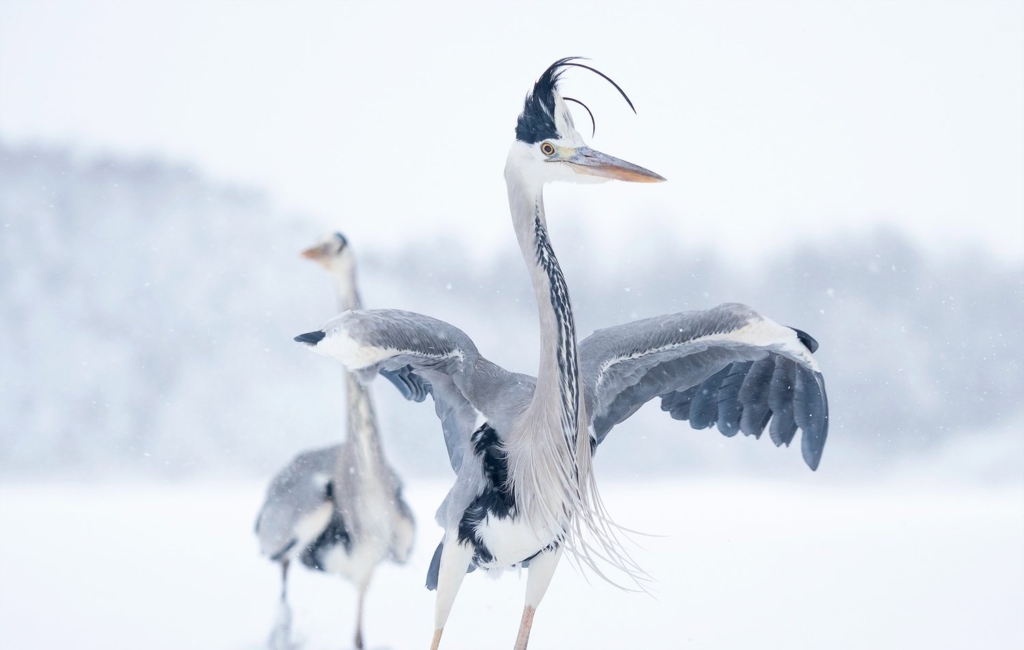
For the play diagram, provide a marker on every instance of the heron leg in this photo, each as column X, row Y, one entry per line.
column 284, row 579
column 359, row 616
column 455, row 559
column 542, row 568
column 280, row 637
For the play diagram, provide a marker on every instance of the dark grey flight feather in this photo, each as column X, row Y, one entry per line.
column 754, row 397
column 730, row 410
column 412, row 386
column 434, row 570
column 780, row 400
column 704, row 407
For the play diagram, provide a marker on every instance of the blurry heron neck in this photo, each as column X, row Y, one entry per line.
column 361, row 423
column 343, row 272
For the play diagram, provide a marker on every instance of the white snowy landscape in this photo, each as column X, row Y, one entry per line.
column 854, row 172
column 737, row 564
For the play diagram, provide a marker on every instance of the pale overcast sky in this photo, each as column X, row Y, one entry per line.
column 772, row 121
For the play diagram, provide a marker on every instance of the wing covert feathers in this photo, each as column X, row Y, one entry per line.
column 726, row 367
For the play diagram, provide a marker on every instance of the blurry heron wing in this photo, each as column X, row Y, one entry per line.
column 727, row 367
column 297, row 504
column 424, row 356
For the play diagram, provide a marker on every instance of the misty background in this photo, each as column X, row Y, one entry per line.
column 852, row 169
column 149, row 310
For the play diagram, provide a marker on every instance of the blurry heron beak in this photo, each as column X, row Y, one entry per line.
column 315, row 253
column 587, row 161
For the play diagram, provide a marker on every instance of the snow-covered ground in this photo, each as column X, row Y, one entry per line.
column 739, row 564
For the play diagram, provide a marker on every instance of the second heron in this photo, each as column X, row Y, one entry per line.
column 338, row 509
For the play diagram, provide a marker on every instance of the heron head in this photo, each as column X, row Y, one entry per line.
column 330, row 251
column 548, row 144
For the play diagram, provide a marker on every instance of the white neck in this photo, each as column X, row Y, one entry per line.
column 547, row 450
column 557, row 370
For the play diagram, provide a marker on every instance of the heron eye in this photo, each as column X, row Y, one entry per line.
column 547, row 149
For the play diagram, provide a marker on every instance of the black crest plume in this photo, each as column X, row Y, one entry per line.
column 340, row 240
column 537, row 121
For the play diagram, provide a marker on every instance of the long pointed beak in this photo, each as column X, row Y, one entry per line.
column 588, row 161
column 314, row 253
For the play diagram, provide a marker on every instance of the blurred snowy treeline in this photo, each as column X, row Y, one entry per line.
column 146, row 316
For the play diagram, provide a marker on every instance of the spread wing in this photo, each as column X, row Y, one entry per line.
column 727, row 367
column 421, row 355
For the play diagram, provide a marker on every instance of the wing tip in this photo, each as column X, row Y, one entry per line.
column 812, row 445
column 310, row 338
column 812, row 448
column 806, row 339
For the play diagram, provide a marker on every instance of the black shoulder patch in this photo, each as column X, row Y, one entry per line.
column 806, row 339
column 310, row 338
column 497, row 499
column 487, row 446
column 336, row 534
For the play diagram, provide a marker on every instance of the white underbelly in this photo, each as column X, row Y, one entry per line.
column 380, row 524
column 511, row 540
column 356, row 566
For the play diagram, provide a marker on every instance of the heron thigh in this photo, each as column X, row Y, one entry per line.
column 541, row 570
column 455, row 559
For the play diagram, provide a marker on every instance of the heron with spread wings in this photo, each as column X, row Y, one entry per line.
column 522, row 446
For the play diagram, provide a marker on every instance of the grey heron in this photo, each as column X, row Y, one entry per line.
column 337, row 509
column 522, row 446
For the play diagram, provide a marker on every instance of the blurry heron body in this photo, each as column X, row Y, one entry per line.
column 338, row 509
column 522, row 446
